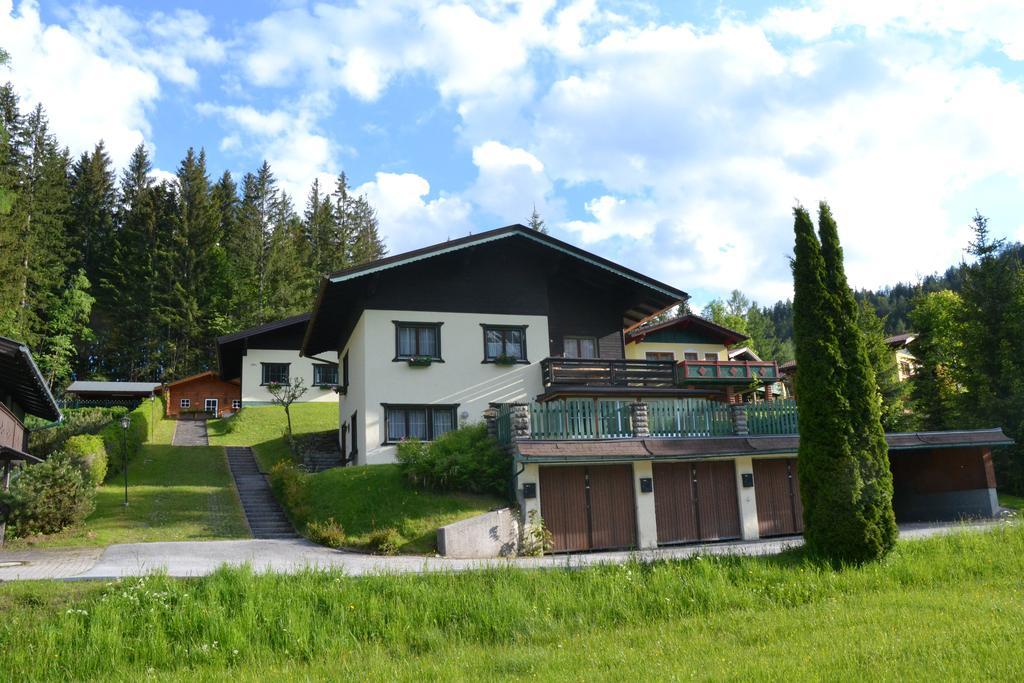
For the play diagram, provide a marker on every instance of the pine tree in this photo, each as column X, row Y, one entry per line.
column 367, row 244
column 260, row 198
column 288, row 278
column 319, row 227
column 844, row 472
column 536, row 222
column 882, row 359
column 936, row 392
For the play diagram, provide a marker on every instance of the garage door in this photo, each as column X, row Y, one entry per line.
column 779, row 511
column 696, row 501
column 588, row 507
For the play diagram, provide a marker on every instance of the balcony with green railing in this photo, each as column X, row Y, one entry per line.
column 585, row 418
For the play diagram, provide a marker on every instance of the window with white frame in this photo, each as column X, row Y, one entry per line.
column 236, row 404
column 691, row 355
column 710, row 355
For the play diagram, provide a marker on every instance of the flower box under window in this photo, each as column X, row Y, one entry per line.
column 420, row 361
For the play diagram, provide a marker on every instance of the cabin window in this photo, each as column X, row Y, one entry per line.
column 275, row 373
column 504, row 342
column 710, row 356
column 660, row 355
column 423, row 422
column 325, row 374
column 414, row 340
column 185, row 403
column 691, row 355
column 580, row 347
column 236, row 404
column 344, row 371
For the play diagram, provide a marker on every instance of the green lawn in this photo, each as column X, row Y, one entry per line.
column 363, row 499
column 1010, row 501
column 174, row 494
column 941, row 609
column 263, row 428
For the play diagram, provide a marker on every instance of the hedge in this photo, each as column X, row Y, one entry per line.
column 48, row 497
column 115, row 438
column 89, row 453
column 46, row 440
column 465, row 459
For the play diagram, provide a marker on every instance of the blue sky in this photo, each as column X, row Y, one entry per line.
column 673, row 137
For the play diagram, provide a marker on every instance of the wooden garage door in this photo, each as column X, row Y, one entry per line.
column 779, row 511
column 696, row 501
column 588, row 507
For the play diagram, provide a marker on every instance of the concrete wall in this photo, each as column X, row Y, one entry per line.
column 461, row 379
column 492, row 534
column 646, row 521
column 748, row 500
column 639, row 349
column 353, row 401
column 253, row 393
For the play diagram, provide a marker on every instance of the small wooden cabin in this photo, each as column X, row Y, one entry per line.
column 203, row 395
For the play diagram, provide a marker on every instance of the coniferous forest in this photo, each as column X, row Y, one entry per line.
column 111, row 274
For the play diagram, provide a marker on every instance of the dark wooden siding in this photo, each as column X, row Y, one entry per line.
column 696, row 501
column 942, row 470
column 588, row 507
column 718, row 507
column 612, row 509
column 779, row 511
column 12, row 431
column 563, row 505
column 578, row 309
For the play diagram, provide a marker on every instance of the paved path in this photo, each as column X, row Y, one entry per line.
column 262, row 511
column 294, row 555
column 190, row 433
column 47, row 564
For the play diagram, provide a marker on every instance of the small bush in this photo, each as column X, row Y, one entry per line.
column 90, row 455
column 290, row 487
column 385, row 541
column 48, row 497
column 537, row 539
column 328, row 533
column 466, row 459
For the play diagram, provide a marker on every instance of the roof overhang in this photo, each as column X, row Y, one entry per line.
column 8, row 454
column 231, row 347
column 20, row 376
column 724, row 334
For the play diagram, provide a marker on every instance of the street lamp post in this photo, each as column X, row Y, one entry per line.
column 126, row 422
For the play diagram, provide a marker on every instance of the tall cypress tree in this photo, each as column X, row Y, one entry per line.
column 874, row 531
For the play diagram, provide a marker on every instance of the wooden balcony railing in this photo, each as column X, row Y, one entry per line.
column 726, row 372
column 601, row 372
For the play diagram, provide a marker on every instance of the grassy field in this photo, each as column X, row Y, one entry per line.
column 174, row 494
column 363, row 499
column 1010, row 501
column 263, row 428
column 944, row 608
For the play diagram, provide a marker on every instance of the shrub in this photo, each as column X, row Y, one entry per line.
column 48, row 497
column 45, row 440
column 328, row 533
column 88, row 453
column 385, row 541
column 466, row 459
column 290, row 487
column 537, row 539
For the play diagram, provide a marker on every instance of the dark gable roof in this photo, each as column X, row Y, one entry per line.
column 730, row 446
column 325, row 330
column 688, row 321
column 230, row 347
column 20, row 377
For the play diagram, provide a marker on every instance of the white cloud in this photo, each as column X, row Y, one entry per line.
column 408, row 217
column 94, row 77
column 510, row 182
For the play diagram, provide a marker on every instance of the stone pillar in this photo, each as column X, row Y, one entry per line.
column 491, row 420
column 520, row 421
column 739, row 419
column 748, row 500
column 646, row 521
column 641, row 425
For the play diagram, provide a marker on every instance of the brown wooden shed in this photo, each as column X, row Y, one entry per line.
column 203, row 395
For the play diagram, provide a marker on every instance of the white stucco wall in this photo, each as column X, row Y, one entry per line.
column 354, row 399
column 252, row 375
column 461, row 379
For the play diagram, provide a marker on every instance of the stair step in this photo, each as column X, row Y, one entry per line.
column 265, row 517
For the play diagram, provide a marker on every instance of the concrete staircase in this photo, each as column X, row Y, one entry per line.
column 320, row 451
column 265, row 517
column 318, row 462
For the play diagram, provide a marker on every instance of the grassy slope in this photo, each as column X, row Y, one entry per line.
column 1010, row 501
column 263, row 428
column 376, row 497
column 174, row 494
column 945, row 608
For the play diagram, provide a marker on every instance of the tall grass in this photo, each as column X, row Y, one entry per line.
column 325, row 624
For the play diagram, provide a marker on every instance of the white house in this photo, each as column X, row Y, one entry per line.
column 269, row 354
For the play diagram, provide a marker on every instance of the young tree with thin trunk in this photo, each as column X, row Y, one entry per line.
column 285, row 395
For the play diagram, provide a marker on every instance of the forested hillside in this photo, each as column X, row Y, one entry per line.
column 116, row 275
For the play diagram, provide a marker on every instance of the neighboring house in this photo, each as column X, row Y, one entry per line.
column 23, row 391
column 202, row 395
column 906, row 363
column 611, row 449
column 701, row 350
column 269, row 354
column 129, row 394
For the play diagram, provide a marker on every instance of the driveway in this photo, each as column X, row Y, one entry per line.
column 190, row 433
column 287, row 556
